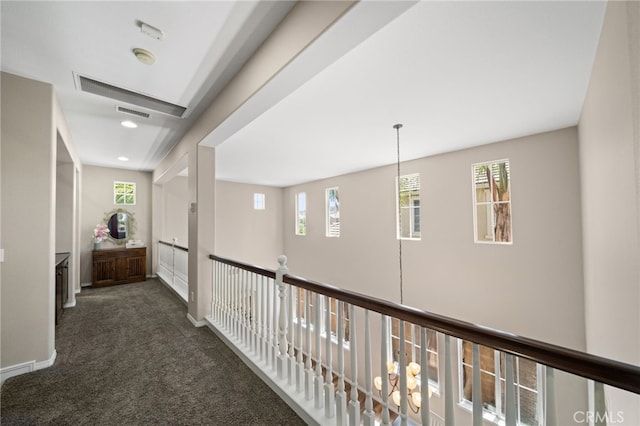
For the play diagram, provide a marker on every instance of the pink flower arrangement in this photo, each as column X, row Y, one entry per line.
column 100, row 233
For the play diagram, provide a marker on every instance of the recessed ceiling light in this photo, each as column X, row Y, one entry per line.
column 144, row 56
column 123, row 159
column 129, row 124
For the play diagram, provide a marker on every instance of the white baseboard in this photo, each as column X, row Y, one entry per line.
column 200, row 323
column 86, row 285
column 25, row 367
column 70, row 304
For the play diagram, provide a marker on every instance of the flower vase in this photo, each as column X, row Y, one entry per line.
column 96, row 246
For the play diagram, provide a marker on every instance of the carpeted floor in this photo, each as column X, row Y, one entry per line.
column 127, row 355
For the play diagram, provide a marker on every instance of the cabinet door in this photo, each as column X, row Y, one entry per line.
column 103, row 272
column 137, row 268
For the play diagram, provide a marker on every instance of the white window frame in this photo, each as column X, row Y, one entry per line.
column 300, row 219
column 489, row 205
column 413, row 233
column 414, row 339
column 124, row 194
column 259, row 201
column 332, row 232
column 497, row 415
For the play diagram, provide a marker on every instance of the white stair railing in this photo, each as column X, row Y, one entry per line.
column 173, row 268
column 278, row 324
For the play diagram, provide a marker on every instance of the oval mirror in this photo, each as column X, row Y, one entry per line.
column 121, row 225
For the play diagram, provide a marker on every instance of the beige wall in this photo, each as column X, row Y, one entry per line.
column 609, row 167
column 253, row 236
column 532, row 288
column 97, row 201
column 31, row 123
column 445, row 271
column 175, row 211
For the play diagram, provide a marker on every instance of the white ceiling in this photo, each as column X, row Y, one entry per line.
column 204, row 43
column 455, row 74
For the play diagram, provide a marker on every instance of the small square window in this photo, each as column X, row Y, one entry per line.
column 124, row 193
column 258, row 201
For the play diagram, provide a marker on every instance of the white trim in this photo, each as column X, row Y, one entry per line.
column 304, row 408
column 86, row 285
column 25, row 367
column 200, row 323
column 70, row 304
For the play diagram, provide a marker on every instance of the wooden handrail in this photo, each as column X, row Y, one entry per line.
column 173, row 245
column 251, row 268
column 611, row 372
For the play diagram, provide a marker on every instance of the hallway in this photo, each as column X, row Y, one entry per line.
column 128, row 355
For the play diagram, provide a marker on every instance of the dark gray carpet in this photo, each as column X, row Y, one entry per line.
column 127, row 355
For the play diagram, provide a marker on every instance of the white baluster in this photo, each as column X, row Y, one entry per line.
column 402, row 372
column 424, row 378
column 236, row 304
column 282, row 318
column 477, row 387
column 510, row 392
column 308, row 389
column 384, row 369
column 599, row 407
column 274, row 347
column 448, row 383
column 318, row 392
column 298, row 339
column 329, row 390
column 354, row 404
column 341, row 396
column 264, row 319
column 214, row 289
column 243, row 307
column 254, row 313
column 267, row 321
column 290, row 335
column 368, row 416
column 550, row 398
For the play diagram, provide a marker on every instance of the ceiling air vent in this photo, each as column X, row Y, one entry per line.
column 103, row 89
column 132, row 111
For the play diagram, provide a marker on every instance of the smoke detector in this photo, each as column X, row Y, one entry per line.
column 144, row 56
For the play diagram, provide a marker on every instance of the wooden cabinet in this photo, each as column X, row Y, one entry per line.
column 62, row 283
column 119, row 266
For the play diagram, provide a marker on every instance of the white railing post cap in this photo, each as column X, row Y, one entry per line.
column 282, row 260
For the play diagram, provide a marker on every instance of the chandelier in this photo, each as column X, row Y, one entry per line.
column 413, row 388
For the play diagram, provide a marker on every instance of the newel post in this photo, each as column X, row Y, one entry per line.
column 282, row 317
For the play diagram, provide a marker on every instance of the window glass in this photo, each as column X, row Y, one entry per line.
column 492, row 200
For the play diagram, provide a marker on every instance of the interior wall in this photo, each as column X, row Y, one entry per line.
column 500, row 286
column 175, row 211
column 242, row 233
column 64, row 207
column 28, row 222
column 97, row 201
column 609, row 162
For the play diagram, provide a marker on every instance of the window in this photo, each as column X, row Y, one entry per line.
column 412, row 348
column 124, row 193
column 333, row 212
column 492, row 202
column 300, row 296
column 258, row 201
column 409, row 206
column 301, row 213
column 527, row 380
